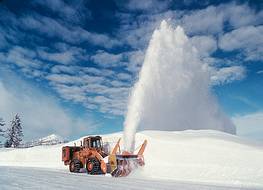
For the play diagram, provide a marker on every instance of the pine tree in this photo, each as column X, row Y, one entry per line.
column 2, row 123
column 14, row 133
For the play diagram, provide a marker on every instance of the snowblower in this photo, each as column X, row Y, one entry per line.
column 123, row 163
column 91, row 155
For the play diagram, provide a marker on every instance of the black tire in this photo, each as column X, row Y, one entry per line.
column 75, row 166
column 93, row 166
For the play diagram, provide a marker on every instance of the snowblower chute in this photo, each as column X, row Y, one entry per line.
column 122, row 163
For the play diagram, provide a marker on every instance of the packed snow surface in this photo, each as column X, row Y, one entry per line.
column 201, row 156
column 12, row 178
column 173, row 90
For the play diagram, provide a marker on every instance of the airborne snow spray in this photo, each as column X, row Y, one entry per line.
column 173, row 90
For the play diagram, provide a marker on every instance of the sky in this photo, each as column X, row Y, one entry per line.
column 67, row 67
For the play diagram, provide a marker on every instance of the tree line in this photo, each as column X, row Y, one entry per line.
column 13, row 134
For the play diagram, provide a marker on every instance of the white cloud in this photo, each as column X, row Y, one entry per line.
column 211, row 20
column 227, row 74
column 106, row 59
column 65, row 79
column 146, row 5
column 135, row 59
column 204, row 44
column 65, row 57
column 80, row 70
column 248, row 39
column 3, row 41
column 138, row 34
column 73, row 93
column 23, row 57
column 73, row 11
column 40, row 113
column 250, row 125
column 242, row 15
column 117, row 83
column 27, row 61
column 72, row 34
column 124, row 76
column 245, row 37
column 65, row 69
column 205, row 21
column 136, row 30
column 255, row 54
column 94, row 92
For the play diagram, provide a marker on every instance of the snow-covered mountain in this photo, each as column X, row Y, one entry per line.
column 48, row 140
column 201, row 156
column 51, row 140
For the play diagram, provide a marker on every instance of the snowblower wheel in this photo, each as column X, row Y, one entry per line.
column 93, row 166
column 75, row 166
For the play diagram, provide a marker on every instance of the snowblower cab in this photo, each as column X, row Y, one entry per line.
column 93, row 142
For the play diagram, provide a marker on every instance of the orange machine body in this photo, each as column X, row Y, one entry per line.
column 90, row 155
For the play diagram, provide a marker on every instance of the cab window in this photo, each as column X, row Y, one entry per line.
column 96, row 144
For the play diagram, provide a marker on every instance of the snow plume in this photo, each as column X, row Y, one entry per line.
column 173, row 91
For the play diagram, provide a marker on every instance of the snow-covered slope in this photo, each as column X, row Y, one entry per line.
column 202, row 156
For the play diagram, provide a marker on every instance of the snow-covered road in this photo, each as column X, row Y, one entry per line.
column 14, row 178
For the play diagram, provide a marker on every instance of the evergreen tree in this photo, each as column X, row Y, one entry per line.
column 14, row 133
column 2, row 123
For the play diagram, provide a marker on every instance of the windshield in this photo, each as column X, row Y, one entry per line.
column 96, row 144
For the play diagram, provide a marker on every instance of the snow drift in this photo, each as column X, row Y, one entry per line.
column 203, row 156
column 173, row 90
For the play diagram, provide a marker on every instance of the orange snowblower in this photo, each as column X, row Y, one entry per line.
column 91, row 155
column 122, row 163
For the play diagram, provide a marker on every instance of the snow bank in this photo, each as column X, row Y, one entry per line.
column 40, row 156
column 202, row 156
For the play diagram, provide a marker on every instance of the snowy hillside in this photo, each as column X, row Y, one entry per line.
column 205, row 156
column 48, row 140
column 51, row 139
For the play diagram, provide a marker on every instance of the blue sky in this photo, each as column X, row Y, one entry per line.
column 67, row 66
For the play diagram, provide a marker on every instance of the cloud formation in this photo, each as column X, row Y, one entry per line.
column 40, row 113
column 247, row 39
column 97, row 70
column 227, row 74
column 146, row 5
